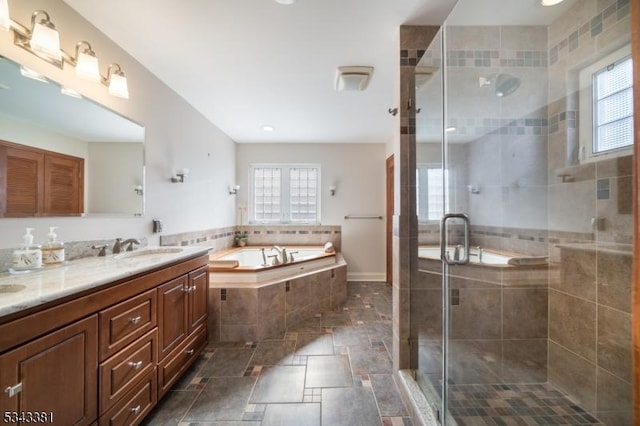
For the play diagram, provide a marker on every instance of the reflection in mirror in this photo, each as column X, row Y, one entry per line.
column 36, row 114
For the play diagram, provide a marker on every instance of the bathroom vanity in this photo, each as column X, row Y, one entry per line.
column 100, row 340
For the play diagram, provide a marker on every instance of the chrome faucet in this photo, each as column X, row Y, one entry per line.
column 264, row 257
column 120, row 243
column 282, row 252
column 131, row 242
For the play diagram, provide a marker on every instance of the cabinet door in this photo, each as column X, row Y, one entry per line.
column 55, row 374
column 173, row 322
column 63, row 184
column 22, row 173
column 198, row 297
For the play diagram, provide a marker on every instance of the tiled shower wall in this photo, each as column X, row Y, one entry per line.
column 589, row 306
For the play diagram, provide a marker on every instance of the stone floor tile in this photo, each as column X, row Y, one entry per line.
column 328, row 371
column 355, row 406
column 314, row 344
column 273, row 352
column 223, row 398
column 310, row 325
column 292, row 415
column 387, row 395
column 370, row 360
column 350, row 336
column 335, row 319
column 282, row 383
column 364, row 315
column 227, row 362
column 173, row 408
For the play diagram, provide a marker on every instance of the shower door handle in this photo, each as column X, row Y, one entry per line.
column 444, row 256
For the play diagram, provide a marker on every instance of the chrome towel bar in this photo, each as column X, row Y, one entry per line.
column 363, row 216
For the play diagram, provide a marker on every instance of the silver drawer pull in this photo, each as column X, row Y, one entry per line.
column 136, row 409
column 13, row 390
column 190, row 352
column 136, row 320
column 136, row 365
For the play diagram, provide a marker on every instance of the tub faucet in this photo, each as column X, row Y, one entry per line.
column 456, row 252
column 264, row 257
column 479, row 254
column 282, row 252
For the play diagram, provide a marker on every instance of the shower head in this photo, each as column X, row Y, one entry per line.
column 504, row 84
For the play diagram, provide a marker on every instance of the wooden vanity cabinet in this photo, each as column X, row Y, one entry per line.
column 55, row 375
column 108, row 355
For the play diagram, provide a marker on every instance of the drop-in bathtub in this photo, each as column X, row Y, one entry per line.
column 488, row 258
column 251, row 268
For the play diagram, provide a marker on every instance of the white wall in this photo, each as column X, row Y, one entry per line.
column 176, row 136
column 358, row 171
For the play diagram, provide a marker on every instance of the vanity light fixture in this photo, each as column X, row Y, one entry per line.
column 180, row 175
column 5, row 21
column 116, row 81
column 44, row 40
column 233, row 190
column 86, row 62
column 332, row 190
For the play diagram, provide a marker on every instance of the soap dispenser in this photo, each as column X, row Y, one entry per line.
column 28, row 255
column 52, row 250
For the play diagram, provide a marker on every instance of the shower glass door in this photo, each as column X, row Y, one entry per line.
column 524, row 127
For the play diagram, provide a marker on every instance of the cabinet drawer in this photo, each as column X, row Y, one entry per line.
column 135, row 404
column 122, row 371
column 172, row 367
column 125, row 322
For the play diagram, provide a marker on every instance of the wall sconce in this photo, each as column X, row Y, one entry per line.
column 332, row 190
column 233, row 190
column 138, row 189
column 117, row 82
column 43, row 40
column 180, row 175
column 86, row 62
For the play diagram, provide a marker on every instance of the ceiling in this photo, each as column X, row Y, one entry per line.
column 248, row 63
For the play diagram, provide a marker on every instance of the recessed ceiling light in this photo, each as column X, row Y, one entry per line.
column 268, row 128
column 550, row 2
column 286, row 2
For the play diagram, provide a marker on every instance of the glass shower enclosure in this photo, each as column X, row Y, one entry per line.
column 520, row 311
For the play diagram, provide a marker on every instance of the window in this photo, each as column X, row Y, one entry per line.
column 606, row 107
column 430, row 192
column 285, row 193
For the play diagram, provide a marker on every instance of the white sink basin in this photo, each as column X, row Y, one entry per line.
column 154, row 251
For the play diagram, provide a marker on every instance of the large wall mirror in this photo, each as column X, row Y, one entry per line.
column 41, row 116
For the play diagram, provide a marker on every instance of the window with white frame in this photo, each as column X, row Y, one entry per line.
column 285, row 193
column 432, row 197
column 606, row 107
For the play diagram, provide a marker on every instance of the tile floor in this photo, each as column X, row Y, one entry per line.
column 333, row 370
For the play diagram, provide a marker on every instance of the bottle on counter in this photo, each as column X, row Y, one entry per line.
column 28, row 255
column 52, row 250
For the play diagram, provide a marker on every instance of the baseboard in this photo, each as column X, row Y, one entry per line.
column 366, row 276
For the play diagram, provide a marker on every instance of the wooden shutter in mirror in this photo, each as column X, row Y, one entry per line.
column 36, row 182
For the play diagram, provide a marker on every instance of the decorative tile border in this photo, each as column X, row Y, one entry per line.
column 496, row 58
column 590, row 29
column 485, row 126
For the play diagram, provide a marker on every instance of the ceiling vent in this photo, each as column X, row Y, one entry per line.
column 353, row 78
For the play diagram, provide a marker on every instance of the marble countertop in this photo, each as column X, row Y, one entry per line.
column 33, row 288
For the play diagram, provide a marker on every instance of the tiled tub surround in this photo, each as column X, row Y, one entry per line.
column 223, row 238
column 249, row 312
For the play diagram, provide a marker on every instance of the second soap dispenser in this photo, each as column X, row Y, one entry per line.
column 52, row 250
